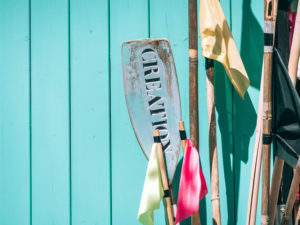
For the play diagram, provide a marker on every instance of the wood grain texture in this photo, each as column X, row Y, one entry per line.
column 14, row 113
column 128, row 21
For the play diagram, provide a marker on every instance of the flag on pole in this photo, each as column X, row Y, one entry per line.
column 218, row 44
column 152, row 191
column 192, row 187
column 286, row 114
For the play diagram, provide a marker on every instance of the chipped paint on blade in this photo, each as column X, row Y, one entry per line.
column 152, row 95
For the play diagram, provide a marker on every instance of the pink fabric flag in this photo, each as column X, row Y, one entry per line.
column 192, row 187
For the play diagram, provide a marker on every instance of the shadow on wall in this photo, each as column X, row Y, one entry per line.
column 244, row 114
column 240, row 119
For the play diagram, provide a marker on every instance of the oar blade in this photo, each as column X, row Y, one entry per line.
column 152, row 95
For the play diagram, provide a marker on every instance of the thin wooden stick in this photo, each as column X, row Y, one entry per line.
column 213, row 154
column 182, row 129
column 292, row 195
column 275, row 187
column 256, row 163
column 164, row 178
column 267, row 114
column 193, row 81
column 295, row 49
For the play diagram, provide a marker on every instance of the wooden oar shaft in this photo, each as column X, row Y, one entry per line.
column 213, row 154
column 193, row 81
column 295, row 48
column 182, row 129
column 275, row 187
column 193, row 73
column 164, row 178
column 267, row 113
column 256, row 164
column 292, row 195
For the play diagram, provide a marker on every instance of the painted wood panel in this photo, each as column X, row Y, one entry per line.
column 169, row 19
column 90, row 106
column 50, row 112
column 247, row 29
column 14, row 113
column 128, row 21
column 87, row 166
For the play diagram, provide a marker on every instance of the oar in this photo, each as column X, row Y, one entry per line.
column 164, row 178
column 193, row 82
column 267, row 113
column 152, row 97
column 256, row 163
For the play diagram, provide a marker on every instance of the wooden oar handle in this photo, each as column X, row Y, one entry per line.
column 164, row 178
column 182, row 134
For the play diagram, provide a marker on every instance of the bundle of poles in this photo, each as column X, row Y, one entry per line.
column 263, row 130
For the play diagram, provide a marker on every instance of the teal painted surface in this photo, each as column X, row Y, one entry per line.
column 50, row 112
column 14, row 113
column 68, row 154
column 90, row 112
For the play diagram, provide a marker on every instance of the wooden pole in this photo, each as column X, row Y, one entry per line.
column 292, row 195
column 164, row 178
column 295, row 48
column 182, row 136
column 213, row 155
column 193, row 82
column 256, row 163
column 267, row 113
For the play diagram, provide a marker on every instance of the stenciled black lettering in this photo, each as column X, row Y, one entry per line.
column 156, row 102
column 153, row 84
column 166, row 145
column 157, row 123
column 157, row 111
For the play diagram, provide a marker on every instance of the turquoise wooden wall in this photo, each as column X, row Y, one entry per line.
column 68, row 154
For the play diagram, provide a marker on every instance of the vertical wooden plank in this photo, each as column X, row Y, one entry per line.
column 247, row 27
column 14, row 113
column 90, row 112
column 50, row 113
column 165, row 22
column 128, row 21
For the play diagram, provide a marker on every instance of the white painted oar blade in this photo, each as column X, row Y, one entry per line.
column 152, row 95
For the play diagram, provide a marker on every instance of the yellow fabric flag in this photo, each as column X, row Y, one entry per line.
column 218, row 44
column 152, row 191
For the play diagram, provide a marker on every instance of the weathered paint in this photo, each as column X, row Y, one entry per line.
column 152, row 96
column 62, row 103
